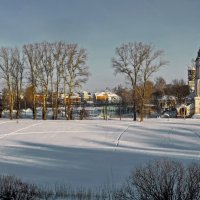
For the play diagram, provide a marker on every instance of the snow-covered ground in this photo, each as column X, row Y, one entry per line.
column 92, row 153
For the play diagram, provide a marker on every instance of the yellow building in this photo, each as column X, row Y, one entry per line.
column 107, row 96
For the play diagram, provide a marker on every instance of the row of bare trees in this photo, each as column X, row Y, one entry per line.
column 48, row 68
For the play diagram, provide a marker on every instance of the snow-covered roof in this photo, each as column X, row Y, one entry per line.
column 106, row 93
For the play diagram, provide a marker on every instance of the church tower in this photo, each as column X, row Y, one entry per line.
column 197, row 85
column 191, row 78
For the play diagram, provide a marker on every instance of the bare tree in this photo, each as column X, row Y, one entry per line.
column 75, row 72
column 17, row 62
column 59, row 55
column 44, row 72
column 6, row 71
column 138, row 62
column 31, row 63
column 128, row 61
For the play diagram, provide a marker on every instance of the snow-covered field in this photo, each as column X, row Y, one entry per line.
column 92, row 153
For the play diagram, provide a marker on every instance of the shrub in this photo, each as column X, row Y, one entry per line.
column 162, row 180
column 13, row 188
column 157, row 180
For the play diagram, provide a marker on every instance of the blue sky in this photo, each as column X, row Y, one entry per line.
column 102, row 25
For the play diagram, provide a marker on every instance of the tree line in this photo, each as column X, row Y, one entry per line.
column 48, row 68
column 155, row 90
column 52, row 69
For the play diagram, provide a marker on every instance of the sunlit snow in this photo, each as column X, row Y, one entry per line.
column 92, row 152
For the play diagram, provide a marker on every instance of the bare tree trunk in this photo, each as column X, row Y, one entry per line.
column 142, row 112
column 11, row 104
column 134, row 112
column 18, row 102
column 34, row 103
column 57, row 93
column 134, row 105
column 52, row 99
column 56, row 101
column 44, row 108
column 69, row 110
column 64, row 100
column 142, row 102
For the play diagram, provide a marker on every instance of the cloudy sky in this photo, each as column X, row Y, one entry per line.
column 102, row 25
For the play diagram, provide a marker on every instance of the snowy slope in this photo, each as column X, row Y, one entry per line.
column 92, row 153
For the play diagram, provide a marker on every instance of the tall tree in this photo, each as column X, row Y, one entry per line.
column 137, row 62
column 59, row 54
column 17, row 62
column 75, row 71
column 128, row 61
column 44, row 72
column 31, row 63
column 6, row 71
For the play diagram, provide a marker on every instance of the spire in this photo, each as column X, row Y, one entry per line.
column 198, row 56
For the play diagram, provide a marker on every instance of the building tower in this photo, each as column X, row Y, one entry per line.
column 197, row 85
column 191, row 78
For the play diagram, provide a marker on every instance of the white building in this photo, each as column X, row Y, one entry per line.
column 192, row 106
column 197, row 85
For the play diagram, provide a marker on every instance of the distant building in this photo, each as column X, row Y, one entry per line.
column 86, row 97
column 74, row 99
column 185, row 110
column 197, row 85
column 192, row 104
column 166, row 102
column 39, row 98
column 107, row 96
